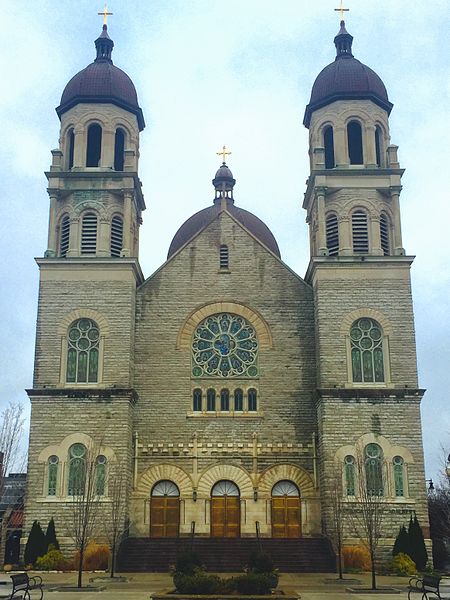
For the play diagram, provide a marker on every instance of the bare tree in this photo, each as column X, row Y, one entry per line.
column 335, row 531
column 116, row 516
column 368, row 514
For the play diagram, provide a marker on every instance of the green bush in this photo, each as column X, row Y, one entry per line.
column 53, row 560
column 198, row 583
column 188, row 562
column 254, row 583
column 260, row 562
column 402, row 564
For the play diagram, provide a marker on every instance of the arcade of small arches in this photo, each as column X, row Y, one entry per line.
column 362, row 226
column 88, row 241
column 355, row 144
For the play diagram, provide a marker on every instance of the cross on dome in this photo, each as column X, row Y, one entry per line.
column 342, row 10
column 105, row 14
column 223, row 153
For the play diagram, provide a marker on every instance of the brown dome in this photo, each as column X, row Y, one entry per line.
column 198, row 221
column 346, row 79
column 102, row 82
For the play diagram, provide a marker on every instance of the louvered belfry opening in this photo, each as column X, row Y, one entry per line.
column 64, row 234
column 360, row 232
column 89, row 234
column 223, row 257
column 332, row 232
column 116, row 236
column 384, row 234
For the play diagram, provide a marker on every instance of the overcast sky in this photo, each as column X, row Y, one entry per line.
column 240, row 72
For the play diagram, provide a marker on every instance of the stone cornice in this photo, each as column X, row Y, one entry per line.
column 91, row 393
column 112, row 263
column 370, row 393
column 369, row 261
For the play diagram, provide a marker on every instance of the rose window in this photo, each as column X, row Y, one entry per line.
column 224, row 345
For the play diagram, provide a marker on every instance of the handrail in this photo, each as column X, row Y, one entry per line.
column 192, row 533
column 258, row 534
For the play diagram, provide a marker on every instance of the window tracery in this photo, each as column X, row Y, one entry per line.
column 83, row 352
column 374, row 470
column 77, row 470
column 366, row 339
column 53, row 463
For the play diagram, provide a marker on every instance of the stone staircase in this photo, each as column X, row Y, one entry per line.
column 222, row 555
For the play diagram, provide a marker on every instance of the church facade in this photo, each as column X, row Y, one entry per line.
column 233, row 393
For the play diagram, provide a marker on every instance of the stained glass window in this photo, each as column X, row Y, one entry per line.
column 100, row 475
column 349, row 470
column 211, row 400
column 366, row 338
column 82, row 354
column 224, row 345
column 252, row 400
column 374, row 470
column 53, row 462
column 225, row 400
column 285, row 488
column 197, row 400
column 77, row 469
column 399, row 483
column 238, row 400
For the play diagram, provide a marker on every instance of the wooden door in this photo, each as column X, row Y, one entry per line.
column 164, row 516
column 286, row 517
column 225, row 516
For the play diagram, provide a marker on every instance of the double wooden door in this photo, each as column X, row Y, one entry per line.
column 225, row 516
column 164, row 516
column 286, row 517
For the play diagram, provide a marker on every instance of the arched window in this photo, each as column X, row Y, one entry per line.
column 64, row 235
column 384, row 234
column 89, row 233
column 238, row 400
column 211, row 400
column 223, row 257
column 355, row 145
column 197, row 400
column 82, row 352
column 332, row 232
column 360, row 232
column 366, row 338
column 252, row 400
column 52, row 466
column 399, row 477
column 70, row 148
column 225, row 400
column 100, row 475
column 374, row 470
column 165, row 488
column 328, row 142
column 285, row 488
column 116, row 235
column 349, row 472
column 94, row 145
column 119, row 150
column 378, row 138
column 77, row 470
column 225, row 488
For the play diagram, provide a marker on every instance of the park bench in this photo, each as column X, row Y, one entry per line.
column 428, row 586
column 23, row 585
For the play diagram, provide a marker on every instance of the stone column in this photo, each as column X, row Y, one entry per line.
column 340, row 147
column 370, row 154
column 321, row 235
column 108, row 143
column 52, row 238
column 345, row 238
column 127, row 216
column 318, row 158
column 375, row 235
column 74, row 238
column 397, row 228
column 103, row 248
column 130, row 160
column 79, row 148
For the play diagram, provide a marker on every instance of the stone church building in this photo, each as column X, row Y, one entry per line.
column 232, row 392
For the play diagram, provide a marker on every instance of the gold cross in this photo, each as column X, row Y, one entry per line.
column 223, row 153
column 342, row 10
column 105, row 14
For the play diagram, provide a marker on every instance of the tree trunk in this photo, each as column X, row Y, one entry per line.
column 340, row 563
column 372, row 560
column 80, row 567
column 113, row 558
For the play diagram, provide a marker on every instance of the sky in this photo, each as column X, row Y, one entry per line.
column 239, row 73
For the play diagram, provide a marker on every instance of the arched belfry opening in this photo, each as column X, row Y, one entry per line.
column 94, row 145
column 70, row 148
column 119, row 149
column 355, row 143
column 328, row 142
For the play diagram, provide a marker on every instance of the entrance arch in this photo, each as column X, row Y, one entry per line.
column 225, row 510
column 286, row 510
column 165, row 509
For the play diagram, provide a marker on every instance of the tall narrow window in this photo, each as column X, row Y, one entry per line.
column 94, row 145
column 197, row 400
column 355, row 145
column 53, row 463
column 366, row 338
column 378, row 145
column 332, row 232
column 252, row 400
column 116, row 235
column 211, row 400
column 374, row 470
column 119, row 150
column 70, row 148
column 384, row 234
column 328, row 142
column 223, row 257
column 100, row 475
column 77, row 470
column 89, row 233
column 399, row 483
column 238, row 400
column 64, row 235
column 349, row 472
column 360, row 232
column 225, row 400
column 82, row 353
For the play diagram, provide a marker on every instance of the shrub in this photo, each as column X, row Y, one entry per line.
column 254, row 583
column 96, row 557
column 402, row 564
column 260, row 562
column 53, row 560
column 36, row 544
column 356, row 557
column 188, row 562
column 198, row 583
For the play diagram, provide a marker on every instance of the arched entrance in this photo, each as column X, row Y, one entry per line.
column 286, row 512
column 165, row 510
column 225, row 510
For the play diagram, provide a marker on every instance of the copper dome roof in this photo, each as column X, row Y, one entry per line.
column 102, row 82
column 201, row 219
column 345, row 79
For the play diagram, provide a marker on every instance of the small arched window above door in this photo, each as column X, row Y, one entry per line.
column 285, row 488
column 225, row 488
column 165, row 488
